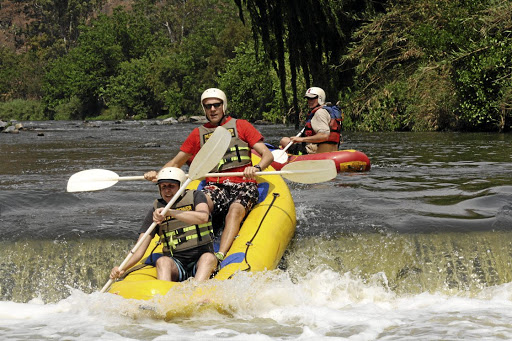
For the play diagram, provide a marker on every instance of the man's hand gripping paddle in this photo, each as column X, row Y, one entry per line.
column 280, row 155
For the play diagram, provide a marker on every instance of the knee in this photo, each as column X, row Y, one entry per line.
column 236, row 210
column 164, row 261
column 209, row 258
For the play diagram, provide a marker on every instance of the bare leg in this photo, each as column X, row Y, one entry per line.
column 284, row 142
column 234, row 217
column 166, row 269
column 205, row 266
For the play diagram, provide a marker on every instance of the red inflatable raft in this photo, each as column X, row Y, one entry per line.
column 346, row 160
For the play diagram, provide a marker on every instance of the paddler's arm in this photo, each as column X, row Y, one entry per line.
column 317, row 138
column 137, row 256
column 266, row 160
column 178, row 161
column 201, row 215
column 320, row 125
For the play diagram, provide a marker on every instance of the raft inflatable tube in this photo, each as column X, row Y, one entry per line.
column 261, row 242
column 348, row 160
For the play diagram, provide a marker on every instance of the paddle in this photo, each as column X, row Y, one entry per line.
column 207, row 158
column 306, row 172
column 300, row 171
column 96, row 179
column 280, row 155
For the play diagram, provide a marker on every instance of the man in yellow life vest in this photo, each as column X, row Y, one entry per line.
column 185, row 232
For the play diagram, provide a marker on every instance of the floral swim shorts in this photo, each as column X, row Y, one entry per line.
column 226, row 193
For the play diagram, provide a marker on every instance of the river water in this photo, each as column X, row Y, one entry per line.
column 418, row 248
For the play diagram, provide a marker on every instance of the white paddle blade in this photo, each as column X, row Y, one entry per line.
column 280, row 156
column 310, row 172
column 92, row 180
column 210, row 154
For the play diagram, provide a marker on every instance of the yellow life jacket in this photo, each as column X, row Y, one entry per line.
column 177, row 235
column 238, row 153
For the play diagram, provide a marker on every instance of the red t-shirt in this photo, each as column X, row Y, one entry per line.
column 246, row 133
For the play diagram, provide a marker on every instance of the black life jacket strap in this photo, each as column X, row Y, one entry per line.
column 238, row 153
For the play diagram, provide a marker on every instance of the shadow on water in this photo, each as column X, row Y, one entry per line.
column 433, row 214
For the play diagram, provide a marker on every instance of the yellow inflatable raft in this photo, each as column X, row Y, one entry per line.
column 262, row 240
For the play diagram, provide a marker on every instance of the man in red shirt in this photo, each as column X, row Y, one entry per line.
column 232, row 196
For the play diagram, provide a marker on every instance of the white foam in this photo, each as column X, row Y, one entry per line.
column 320, row 305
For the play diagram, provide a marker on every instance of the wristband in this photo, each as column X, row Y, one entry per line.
column 257, row 166
column 220, row 256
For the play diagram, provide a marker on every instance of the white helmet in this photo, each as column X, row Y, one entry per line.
column 171, row 174
column 316, row 92
column 215, row 93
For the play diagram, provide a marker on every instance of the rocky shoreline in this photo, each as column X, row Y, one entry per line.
column 15, row 127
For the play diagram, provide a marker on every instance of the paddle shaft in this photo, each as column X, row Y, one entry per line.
column 281, row 172
column 97, row 181
column 291, row 142
column 128, row 178
column 148, row 231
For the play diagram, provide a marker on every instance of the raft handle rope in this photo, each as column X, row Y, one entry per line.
column 249, row 243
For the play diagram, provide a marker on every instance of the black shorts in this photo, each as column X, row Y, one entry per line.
column 186, row 260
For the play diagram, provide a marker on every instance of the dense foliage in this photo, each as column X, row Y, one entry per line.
column 306, row 37
column 406, row 65
column 394, row 65
column 446, row 65
column 134, row 64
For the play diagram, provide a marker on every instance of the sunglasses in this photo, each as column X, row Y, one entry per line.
column 209, row 106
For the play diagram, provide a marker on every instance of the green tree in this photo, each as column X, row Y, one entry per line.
column 8, row 72
column 252, row 86
column 100, row 50
column 56, row 22
column 84, row 70
column 179, row 75
column 483, row 74
column 130, row 91
column 20, row 75
column 172, row 73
